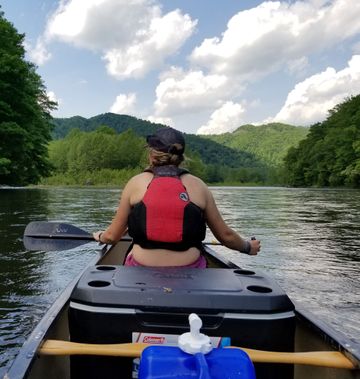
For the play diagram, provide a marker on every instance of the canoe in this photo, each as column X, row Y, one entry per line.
column 108, row 307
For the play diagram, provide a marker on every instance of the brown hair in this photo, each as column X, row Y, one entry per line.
column 162, row 159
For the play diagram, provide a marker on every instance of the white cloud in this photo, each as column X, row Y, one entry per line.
column 133, row 35
column 136, row 36
column 191, row 91
column 39, row 54
column 161, row 120
column 310, row 100
column 272, row 36
column 262, row 39
column 163, row 38
column 225, row 119
column 124, row 104
column 51, row 95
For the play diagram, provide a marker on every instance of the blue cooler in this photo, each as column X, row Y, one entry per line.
column 167, row 362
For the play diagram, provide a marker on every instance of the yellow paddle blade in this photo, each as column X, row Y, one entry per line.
column 314, row 358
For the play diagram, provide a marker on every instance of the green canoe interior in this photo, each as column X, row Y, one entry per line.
column 308, row 337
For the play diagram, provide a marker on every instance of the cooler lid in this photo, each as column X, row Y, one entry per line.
column 181, row 290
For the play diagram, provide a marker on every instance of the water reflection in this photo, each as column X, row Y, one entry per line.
column 310, row 239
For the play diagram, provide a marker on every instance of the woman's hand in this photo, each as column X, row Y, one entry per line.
column 255, row 246
column 97, row 235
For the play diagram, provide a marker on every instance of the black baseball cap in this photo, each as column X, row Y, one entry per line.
column 167, row 140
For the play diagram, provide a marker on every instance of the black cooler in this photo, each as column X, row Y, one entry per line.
column 110, row 303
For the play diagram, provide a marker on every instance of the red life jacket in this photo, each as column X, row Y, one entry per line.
column 166, row 218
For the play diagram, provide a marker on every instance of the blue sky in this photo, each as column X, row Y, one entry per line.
column 201, row 66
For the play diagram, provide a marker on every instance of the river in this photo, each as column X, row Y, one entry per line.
column 310, row 244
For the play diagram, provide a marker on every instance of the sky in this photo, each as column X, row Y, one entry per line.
column 200, row 66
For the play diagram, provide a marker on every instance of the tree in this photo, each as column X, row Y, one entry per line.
column 103, row 148
column 330, row 154
column 24, row 113
column 194, row 164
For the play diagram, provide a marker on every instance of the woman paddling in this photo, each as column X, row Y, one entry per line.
column 165, row 210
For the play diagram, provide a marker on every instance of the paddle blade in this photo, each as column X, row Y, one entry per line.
column 47, row 244
column 50, row 236
column 55, row 230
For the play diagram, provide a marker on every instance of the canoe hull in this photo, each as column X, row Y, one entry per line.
column 308, row 334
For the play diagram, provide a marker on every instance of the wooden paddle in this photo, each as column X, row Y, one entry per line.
column 50, row 236
column 314, row 358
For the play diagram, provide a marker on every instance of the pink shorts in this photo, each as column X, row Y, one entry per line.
column 199, row 263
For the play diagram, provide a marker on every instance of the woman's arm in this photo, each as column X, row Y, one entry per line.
column 224, row 233
column 118, row 226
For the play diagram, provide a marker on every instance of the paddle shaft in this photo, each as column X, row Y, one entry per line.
column 67, row 236
column 91, row 238
column 333, row 359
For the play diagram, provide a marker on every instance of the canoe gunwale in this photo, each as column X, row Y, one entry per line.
column 219, row 259
column 330, row 335
column 22, row 362
column 333, row 337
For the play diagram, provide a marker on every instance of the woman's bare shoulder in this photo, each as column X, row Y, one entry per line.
column 192, row 181
column 139, row 179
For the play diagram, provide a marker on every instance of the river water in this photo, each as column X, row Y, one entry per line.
column 310, row 244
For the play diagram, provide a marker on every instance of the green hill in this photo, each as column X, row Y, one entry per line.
column 211, row 152
column 120, row 123
column 267, row 143
column 248, row 146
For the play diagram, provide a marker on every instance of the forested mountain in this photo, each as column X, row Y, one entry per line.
column 248, row 146
column 326, row 154
column 120, row 123
column 107, row 142
column 330, row 155
column 104, row 156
